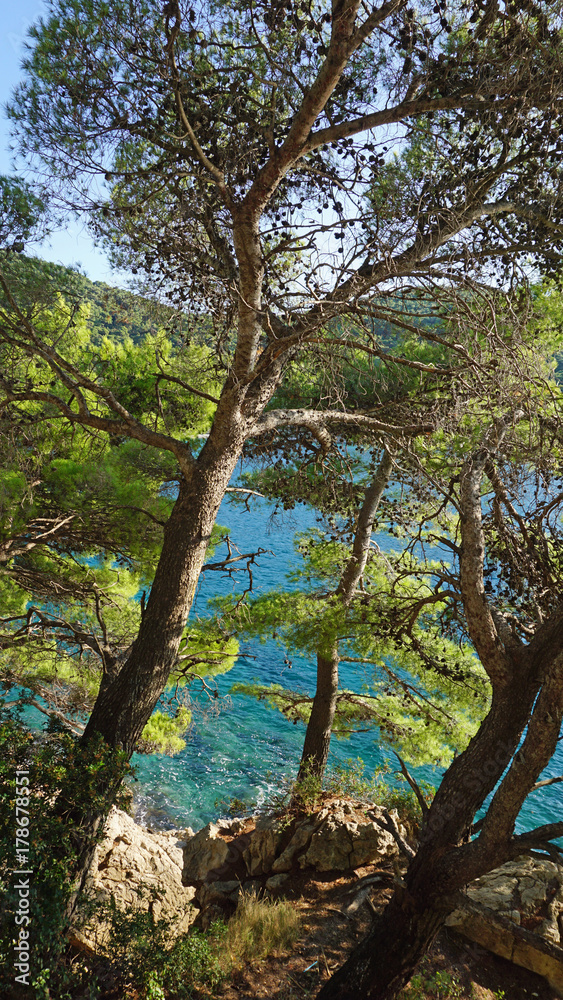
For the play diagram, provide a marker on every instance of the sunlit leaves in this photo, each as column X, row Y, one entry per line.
column 164, row 733
column 422, row 691
column 81, row 515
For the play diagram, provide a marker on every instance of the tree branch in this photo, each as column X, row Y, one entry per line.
column 480, row 623
column 316, row 419
column 420, row 797
column 345, row 39
column 546, row 782
column 388, row 824
column 172, row 32
column 356, row 564
column 534, row 838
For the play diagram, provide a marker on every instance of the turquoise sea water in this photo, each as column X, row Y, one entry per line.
column 238, row 747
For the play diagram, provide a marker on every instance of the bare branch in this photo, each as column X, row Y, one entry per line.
column 420, row 797
column 178, row 381
column 224, row 564
column 387, row 823
column 546, row 782
column 316, row 419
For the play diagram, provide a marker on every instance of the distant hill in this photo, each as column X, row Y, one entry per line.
column 117, row 314
column 114, row 312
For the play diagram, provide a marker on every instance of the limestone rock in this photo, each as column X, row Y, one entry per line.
column 529, row 887
column 203, row 853
column 137, row 868
column 259, row 856
column 299, row 841
column 217, row 892
column 276, row 882
column 339, row 836
column 346, row 838
column 528, row 955
column 516, row 911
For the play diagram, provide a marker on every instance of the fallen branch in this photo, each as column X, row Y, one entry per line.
column 387, row 823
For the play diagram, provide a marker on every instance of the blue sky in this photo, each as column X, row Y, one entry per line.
column 73, row 246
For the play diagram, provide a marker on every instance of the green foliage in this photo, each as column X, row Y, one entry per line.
column 548, row 303
column 349, row 780
column 307, row 790
column 21, row 213
column 385, row 786
column 164, row 733
column 140, row 953
column 362, row 381
column 142, row 957
column 235, row 806
column 425, row 693
column 153, row 376
column 118, row 315
column 207, row 649
column 114, row 314
column 75, row 112
column 82, row 516
column 153, row 989
column 439, row 986
column 139, row 376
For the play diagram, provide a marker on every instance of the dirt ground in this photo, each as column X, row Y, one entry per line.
column 330, row 930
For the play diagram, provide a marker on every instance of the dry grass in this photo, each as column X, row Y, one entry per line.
column 259, row 928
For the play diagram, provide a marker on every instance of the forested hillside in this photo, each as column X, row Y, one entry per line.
column 112, row 312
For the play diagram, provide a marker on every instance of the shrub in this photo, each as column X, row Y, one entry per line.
column 439, row 986
column 144, row 964
column 139, row 951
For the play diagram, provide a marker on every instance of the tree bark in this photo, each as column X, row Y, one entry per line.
column 400, row 936
column 130, row 690
column 125, row 703
column 319, row 727
column 129, row 694
column 445, row 862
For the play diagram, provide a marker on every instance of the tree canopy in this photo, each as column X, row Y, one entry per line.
column 81, row 517
column 376, row 145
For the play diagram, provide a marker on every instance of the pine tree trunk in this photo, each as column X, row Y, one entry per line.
column 319, row 727
column 125, row 701
column 399, row 938
column 128, row 696
column 445, row 862
column 527, row 697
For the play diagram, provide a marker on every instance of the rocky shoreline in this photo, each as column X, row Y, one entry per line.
column 184, row 877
